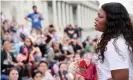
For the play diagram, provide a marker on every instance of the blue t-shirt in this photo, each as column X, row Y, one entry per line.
column 36, row 20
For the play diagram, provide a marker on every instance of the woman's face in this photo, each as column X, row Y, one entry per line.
column 6, row 26
column 100, row 20
column 56, row 46
column 25, row 51
column 63, row 67
column 7, row 46
column 77, row 57
column 88, row 38
column 13, row 75
column 38, row 76
column 7, row 36
column 43, row 67
column 27, row 42
column 70, row 60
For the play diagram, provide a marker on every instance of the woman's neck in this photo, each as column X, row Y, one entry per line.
column 62, row 73
column 44, row 73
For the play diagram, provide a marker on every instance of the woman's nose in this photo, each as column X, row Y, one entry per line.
column 96, row 18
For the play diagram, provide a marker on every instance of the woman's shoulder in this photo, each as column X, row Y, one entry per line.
column 48, row 74
column 20, row 56
column 68, row 75
column 117, row 45
column 119, row 42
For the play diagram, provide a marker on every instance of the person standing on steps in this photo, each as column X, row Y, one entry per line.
column 35, row 18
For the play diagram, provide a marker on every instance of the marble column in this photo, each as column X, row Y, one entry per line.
column 82, row 16
column 45, row 16
column 67, row 14
column 79, row 15
column 87, row 12
column 63, row 14
column 86, row 17
column 71, row 15
column 59, row 15
column 55, row 15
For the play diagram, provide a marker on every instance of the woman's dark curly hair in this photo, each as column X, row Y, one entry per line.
column 118, row 23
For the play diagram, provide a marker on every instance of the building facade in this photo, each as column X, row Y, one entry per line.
column 59, row 13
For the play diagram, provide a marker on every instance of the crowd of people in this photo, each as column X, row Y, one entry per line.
column 40, row 54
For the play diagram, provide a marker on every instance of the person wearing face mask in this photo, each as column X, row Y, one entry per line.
column 70, row 31
column 63, row 75
column 36, row 18
column 76, row 44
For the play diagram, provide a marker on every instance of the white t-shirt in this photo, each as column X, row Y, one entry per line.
column 114, row 60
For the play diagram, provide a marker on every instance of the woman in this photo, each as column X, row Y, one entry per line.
column 8, row 60
column 33, row 57
column 23, row 54
column 115, row 49
column 37, row 75
column 43, row 67
column 34, row 52
column 63, row 75
column 5, row 27
column 13, row 74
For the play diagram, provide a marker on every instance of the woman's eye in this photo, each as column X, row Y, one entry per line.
column 100, row 17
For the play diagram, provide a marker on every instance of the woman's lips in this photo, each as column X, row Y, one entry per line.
column 95, row 24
